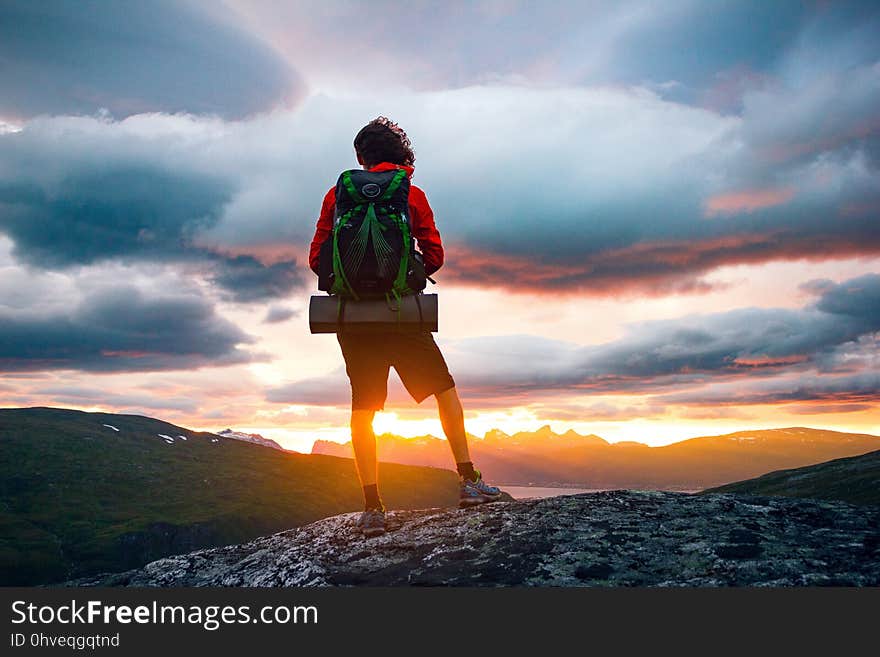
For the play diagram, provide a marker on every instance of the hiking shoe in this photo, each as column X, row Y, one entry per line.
column 372, row 522
column 476, row 492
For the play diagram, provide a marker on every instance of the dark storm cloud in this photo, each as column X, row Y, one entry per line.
column 98, row 213
column 598, row 207
column 656, row 267
column 118, row 330
column 91, row 195
column 590, row 188
column 858, row 298
column 76, row 56
column 247, row 279
column 792, row 178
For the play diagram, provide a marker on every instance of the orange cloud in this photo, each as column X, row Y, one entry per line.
column 266, row 253
column 652, row 268
column 747, row 200
column 124, row 353
column 770, row 361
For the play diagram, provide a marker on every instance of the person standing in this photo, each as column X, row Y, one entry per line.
column 382, row 145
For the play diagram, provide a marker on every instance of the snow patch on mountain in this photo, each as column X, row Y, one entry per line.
column 255, row 438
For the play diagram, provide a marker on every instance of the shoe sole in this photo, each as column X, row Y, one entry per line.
column 370, row 533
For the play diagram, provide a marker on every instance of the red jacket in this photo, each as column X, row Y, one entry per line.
column 423, row 228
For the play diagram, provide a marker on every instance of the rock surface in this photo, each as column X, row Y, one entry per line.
column 615, row 538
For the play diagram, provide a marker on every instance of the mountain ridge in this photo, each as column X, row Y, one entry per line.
column 854, row 479
column 88, row 492
column 546, row 458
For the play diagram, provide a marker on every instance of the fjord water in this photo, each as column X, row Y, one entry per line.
column 537, row 492
column 527, row 492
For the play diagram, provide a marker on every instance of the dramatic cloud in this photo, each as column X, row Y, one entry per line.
column 162, row 168
column 130, row 209
column 847, row 390
column 785, row 355
column 278, row 314
column 119, row 329
column 248, row 279
column 633, row 43
column 75, row 56
column 584, row 182
column 857, row 299
column 621, row 191
column 747, row 200
column 79, row 191
column 820, row 409
column 796, row 176
column 595, row 412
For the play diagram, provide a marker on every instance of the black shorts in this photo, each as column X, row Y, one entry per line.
column 415, row 356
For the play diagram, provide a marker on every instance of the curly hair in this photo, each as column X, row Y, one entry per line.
column 382, row 140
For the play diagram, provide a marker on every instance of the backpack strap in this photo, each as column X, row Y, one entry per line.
column 393, row 185
column 340, row 281
column 351, row 189
column 399, row 286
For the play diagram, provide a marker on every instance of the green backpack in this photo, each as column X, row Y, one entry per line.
column 370, row 252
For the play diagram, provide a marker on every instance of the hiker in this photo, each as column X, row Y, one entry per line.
column 382, row 146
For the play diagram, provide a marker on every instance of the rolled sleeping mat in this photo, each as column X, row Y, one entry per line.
column 417, row 312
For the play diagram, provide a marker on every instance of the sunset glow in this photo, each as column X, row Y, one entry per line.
column 643, row 242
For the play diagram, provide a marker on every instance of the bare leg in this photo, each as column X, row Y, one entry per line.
column 363, row 440
column 452, row 419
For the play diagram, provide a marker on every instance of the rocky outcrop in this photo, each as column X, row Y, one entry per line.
column 617, row 538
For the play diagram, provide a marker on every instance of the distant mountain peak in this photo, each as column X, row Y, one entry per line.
column 545, row 458
column 254, row 438
column 496, row 434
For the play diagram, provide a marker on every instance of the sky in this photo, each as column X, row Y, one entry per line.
column 660, row 219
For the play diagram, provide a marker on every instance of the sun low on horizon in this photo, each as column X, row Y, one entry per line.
column 660, row 222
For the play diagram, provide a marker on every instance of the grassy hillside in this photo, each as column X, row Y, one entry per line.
column 545, row 458
column 855, row 480
column 78, row 497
